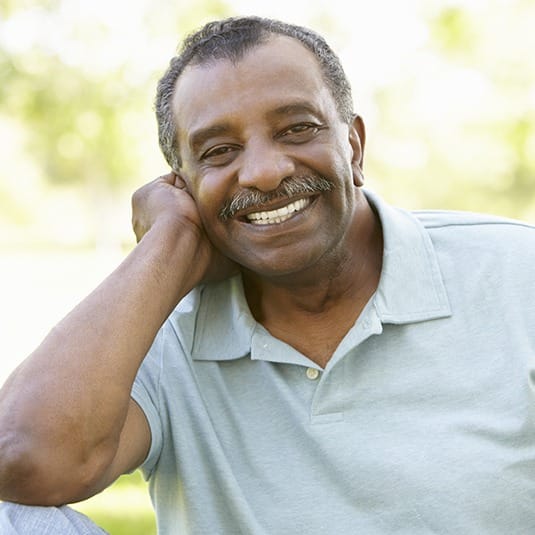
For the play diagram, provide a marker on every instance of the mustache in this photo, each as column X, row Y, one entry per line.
column 288, row 188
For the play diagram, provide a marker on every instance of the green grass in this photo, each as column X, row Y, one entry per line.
column 122, row 509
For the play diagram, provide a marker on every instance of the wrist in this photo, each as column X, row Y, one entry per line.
column 178, row 252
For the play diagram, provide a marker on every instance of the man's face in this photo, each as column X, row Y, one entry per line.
column 249, row 127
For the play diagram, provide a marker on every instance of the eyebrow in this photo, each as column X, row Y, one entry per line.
column 295, row 107
column 200, row 136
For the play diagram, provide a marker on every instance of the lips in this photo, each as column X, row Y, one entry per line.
column 271, row 217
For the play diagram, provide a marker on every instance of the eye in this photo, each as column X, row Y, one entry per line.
column 301, row 132
column 219, row 155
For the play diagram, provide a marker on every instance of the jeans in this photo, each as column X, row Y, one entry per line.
column 18, row 519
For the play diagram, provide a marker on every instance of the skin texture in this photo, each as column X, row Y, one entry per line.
column 233, row 136
column 251, row 125
column 69, row 426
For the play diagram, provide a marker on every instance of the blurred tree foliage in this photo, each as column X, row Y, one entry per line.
column 82, row 122
column 86, row 112
column 457, row 129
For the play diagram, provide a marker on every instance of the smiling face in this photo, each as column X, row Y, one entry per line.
column 266, row 157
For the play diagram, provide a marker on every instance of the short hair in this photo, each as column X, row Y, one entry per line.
column 231, row 39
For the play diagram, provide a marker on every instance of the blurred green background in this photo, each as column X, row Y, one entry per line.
column 446, row 88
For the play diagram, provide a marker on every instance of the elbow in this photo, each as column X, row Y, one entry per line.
column 31, row 476
column 17, row 470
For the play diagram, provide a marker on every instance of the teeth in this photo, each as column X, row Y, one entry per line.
column 278, row 216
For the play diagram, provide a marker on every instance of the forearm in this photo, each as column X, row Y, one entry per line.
column 65, row 406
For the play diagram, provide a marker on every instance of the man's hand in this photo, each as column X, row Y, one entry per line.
column 165, row 201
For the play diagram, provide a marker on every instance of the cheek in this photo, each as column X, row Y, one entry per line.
column 342, row 172
column 208, row 197
column 334, row 158
column 213, row 188
column 209, row 201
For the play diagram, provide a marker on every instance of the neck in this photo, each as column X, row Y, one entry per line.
column 316, row 307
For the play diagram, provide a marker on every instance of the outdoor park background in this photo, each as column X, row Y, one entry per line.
column 447, row 90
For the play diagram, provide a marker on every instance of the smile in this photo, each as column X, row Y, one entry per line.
column 279, row 215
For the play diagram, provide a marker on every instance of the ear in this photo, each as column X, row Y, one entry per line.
column 357, row 140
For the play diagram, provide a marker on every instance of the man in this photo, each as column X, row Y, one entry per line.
column 327, row 363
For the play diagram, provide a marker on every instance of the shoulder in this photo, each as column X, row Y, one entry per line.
column 486, row 261
column 451, row 219
column 483, row 250
column 456, row 223
column 458, row 229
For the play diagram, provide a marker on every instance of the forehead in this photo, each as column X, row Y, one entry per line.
column 280, row 71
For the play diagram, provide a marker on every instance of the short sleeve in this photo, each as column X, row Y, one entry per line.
column 145, row 392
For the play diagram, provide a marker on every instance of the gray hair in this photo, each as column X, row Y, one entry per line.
column 230, row 39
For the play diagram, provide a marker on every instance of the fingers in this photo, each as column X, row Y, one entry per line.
column 169, row 178
column 173, row 179
column 179, row 182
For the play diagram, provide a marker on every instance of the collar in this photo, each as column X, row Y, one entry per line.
column 410, row 290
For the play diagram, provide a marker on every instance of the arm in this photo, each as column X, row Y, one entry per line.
column 68, row 424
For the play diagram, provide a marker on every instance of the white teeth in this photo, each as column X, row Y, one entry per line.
column 278, row 216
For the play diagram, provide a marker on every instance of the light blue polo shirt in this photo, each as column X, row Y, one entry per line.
column 422, row 422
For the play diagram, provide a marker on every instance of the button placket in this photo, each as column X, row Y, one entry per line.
column 328, row 402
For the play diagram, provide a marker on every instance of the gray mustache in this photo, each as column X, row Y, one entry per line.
column 288, row 188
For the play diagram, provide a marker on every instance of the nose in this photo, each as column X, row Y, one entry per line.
column 264, row 166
